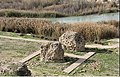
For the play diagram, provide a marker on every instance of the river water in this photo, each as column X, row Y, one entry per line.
column 88, row 18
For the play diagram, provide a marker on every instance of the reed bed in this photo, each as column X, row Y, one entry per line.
column 94, row 31
column 90, row 31
column 110, row 22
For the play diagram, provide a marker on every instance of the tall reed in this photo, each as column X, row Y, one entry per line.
column 90, row 31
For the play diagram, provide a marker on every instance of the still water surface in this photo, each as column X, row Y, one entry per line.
column 88, row 18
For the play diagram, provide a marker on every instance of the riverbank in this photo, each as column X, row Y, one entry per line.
column 30, row 14
column 47, row 14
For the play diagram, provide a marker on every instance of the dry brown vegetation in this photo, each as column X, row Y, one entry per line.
column 82, row 8
column 94, row 31
column 68, row 7
column 111, row 22
column 90, row 31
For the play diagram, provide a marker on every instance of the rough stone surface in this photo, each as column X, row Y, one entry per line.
column 51, row 52
column 15, row 69
column 72, row 41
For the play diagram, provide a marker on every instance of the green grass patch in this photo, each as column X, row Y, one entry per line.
column 104, row 63
column 20, row 35
column 81, row 53
column 27, row 36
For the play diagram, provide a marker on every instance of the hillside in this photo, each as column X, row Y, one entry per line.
column 61, row 7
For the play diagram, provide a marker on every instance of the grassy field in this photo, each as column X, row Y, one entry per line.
column 103, row 63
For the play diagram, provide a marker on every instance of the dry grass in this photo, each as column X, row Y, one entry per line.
column 94, row 31
column 90, row 31
column 83, row 8
column 27, row 4
column 111, row 22
column 22, row 25
column 69, row 7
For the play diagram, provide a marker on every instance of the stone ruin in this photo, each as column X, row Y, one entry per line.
column 72, row 41
column 54, row 50
column 51, row 51
column 15, row 69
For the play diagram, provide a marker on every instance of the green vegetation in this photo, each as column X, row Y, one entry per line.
column 103, row 63
column 54, row 8
column 46, row 29
column 27, row 36
column 30, row 14
column 19, row 35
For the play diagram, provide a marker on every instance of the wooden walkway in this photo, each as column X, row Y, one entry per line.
column 102, row 46
column 72, row 55
column 78, row 62
column 30, row 57
column 68, row 69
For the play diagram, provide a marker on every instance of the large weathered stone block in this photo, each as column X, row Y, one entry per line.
column 72, row 41
column 51, row 51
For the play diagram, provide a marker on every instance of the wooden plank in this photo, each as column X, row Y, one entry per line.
column 30, row 57
column 88, row 55
column 78, row 62
column 72, row 55
column 102, row 46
